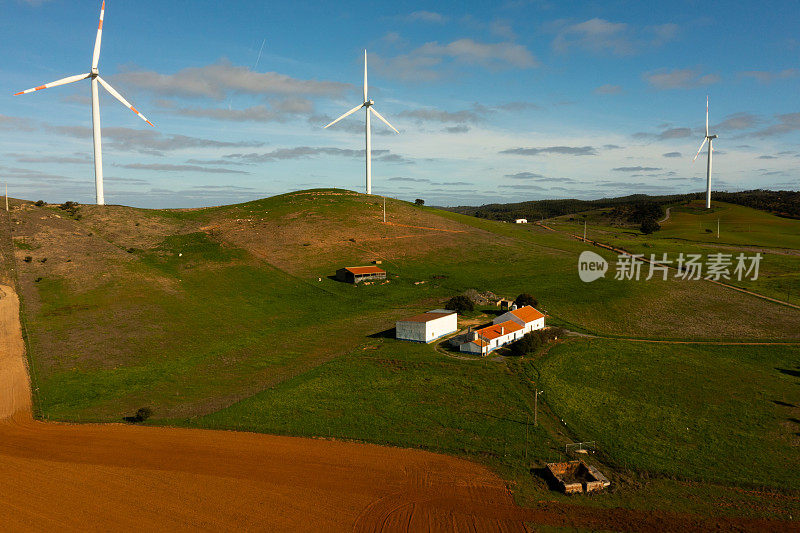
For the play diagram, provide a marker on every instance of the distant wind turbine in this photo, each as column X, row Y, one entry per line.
column 368, row 107
column 710, row 139
column 94, row 75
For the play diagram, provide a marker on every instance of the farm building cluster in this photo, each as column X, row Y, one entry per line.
column 505, row 329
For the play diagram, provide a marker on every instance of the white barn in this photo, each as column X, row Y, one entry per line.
column 427, row 327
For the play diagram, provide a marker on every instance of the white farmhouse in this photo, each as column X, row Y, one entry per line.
column 521, row 221
column 427, row 327
column 505, row 329
column 527, row 317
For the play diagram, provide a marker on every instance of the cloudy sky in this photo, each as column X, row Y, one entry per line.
column 494, row 101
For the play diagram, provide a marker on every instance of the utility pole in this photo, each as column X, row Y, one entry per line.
column 6, row 197
column 717, row 228
column 584, row 230
column 384, row 210
column 536, row 408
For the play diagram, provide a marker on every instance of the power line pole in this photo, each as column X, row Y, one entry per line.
column 384, row 210
column 717, row 228
column 6, row 197
column 536, row 407
column 584, row 230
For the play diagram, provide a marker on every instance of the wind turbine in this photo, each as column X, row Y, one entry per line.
column 368, row 108
column 710, row 139
column 94, row 75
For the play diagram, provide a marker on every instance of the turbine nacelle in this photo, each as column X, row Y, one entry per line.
column 369, row 103
column 711, row 137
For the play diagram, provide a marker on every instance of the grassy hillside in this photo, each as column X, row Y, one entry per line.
column 721, row 413
column 693, row 229
column 228, row 317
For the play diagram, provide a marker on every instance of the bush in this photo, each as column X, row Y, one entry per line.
column 460, row 304
column 40, row 203
column 142, row 414
column 419, row 201
column 649, row 225
column 28, row 259
column 526, row 299
column 531, row 342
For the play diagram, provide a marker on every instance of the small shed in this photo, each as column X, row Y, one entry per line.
column 360, row 273
column 521, row 221
column 427, row 327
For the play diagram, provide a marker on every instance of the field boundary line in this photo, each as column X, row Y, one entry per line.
column 641, row 258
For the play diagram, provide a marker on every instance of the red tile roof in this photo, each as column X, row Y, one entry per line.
column 425, row 317
column 494, row 331
column 360, row 271
column 527, row 314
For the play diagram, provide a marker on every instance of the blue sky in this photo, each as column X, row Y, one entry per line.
column 494, row 102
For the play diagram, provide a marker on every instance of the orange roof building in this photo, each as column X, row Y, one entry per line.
column 360, row 273
column 505, row 329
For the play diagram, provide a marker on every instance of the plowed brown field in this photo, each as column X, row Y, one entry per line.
column 119, row 477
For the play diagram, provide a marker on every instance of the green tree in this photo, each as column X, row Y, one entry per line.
column 460, row 304
column 649, row 226
column 526, row 299
column 419, row 201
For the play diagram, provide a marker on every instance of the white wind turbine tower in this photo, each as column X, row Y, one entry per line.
column 95, row 77
column 368, row 108
column 710, row 139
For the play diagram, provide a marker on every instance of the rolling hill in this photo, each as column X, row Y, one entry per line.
column 229, row 318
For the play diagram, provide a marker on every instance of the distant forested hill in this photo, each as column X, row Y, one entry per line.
column 635, row 207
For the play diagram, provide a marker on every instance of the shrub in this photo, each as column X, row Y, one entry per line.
column 526, row 299
column 40, row 203
column 142, row 414
column 43, row 260
column 460, row 304
column 649, row 225
column 28, row 259
column 531, row 342
column 419, row 201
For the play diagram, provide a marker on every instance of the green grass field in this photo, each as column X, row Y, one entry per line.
column 718, row 413
column 227, row 318
column 694, row 230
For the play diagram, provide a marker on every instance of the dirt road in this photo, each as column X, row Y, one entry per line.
column 15, row 390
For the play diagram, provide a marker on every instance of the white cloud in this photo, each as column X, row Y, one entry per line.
column 602, row 36
column 679, row 79
column 427, row 16
column 223, row 78
column 427, row 62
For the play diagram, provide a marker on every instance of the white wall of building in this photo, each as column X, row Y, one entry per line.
column 426, row 331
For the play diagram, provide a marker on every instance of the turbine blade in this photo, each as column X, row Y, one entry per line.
column 706, row 115
column 700, row 149
column 119, row 97
column 56, row 83
column 365, row 75
column 96, row 54
column 383, row 119
column 346, row 114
